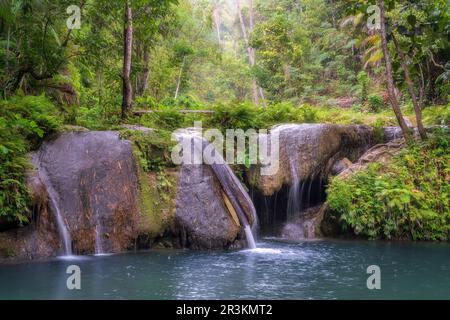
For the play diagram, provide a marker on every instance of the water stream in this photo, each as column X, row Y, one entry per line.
column 249, row 236
column 98, row 240
column 60, row 221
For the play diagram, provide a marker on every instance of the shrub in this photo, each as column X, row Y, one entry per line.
column 376, row 103
column 183, row 102
column 407, row 199
column 280, row 113
column 363, row 85
column 153, row 148
column 309, row 113
column 146, row 102
column 24, row 122
column 165, row 118
column 437, row 115
column 241, row 116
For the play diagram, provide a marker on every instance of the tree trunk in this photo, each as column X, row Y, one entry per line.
column 146, row 75
column 127, row 90
column 179, row 78
column 216, row 18
column 410, row 85
column 251, row 24
column 389, row 78
column 250, row 53
column 137, row 58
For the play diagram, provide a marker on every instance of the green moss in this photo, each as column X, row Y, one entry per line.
column 154, row 207
column 152, row 149
column 6, row 249
column 157, row 200
column 157, row 183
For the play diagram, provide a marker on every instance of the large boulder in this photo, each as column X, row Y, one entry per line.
column 91, row 177
column 203, row 217
column 309, row 152
column 212, row 205
column 92, row 185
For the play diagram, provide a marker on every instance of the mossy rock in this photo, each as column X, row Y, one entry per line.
column 7, row 249
column 157, row 201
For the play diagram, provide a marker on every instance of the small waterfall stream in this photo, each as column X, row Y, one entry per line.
column 294, row 201
column 299, row 196
column 250, row 239
column 294, row 204
column 62, row 228
column 98, row 240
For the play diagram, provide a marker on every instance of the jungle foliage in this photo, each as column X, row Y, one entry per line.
column 406, row 199
column 254, row 63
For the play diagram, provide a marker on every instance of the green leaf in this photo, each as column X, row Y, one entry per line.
column 55, row 35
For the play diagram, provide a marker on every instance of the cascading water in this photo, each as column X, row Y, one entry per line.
column 62, row 228
column 296, row 187
column 294, row 201
column 304, row 134
column 98, row 240
column 226, row 177
column 249, row 236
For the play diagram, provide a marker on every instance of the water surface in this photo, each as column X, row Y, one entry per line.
column 276, row 270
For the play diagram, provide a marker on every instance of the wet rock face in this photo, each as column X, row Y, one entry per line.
column 392, row 133
column 39, row 239
column 304, row 226
column 340, row 166
column 203, row 220
column 380, row 153
column 309, row 151
column 93, row 176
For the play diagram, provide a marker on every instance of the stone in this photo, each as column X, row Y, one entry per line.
column 304, row 226
column 340, row 166
column 94, row 178
column 309, row 151
column 202, row 219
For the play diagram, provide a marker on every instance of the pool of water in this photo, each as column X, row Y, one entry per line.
column 276, row 270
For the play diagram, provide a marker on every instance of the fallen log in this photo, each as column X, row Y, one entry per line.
column 142, row 112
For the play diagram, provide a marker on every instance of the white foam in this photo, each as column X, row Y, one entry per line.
column 72, row 257
column 103, row 254
column 263, row 251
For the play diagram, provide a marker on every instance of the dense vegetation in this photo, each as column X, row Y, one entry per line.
column 24, row 122
column 255, row 63
column 407, row 199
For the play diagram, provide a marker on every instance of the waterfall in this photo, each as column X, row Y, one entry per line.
column 230, row 182
column 303, row 134
column 232, row 187
column 98, row 239
column 62, row 228
column 249, row 235
column 295, row 190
